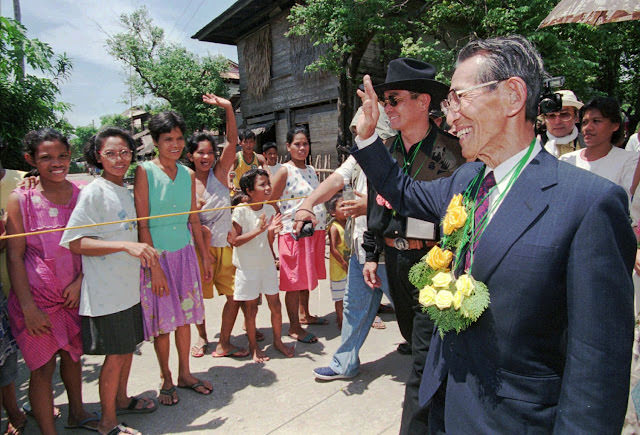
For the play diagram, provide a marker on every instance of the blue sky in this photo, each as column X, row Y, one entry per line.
column 96, row 86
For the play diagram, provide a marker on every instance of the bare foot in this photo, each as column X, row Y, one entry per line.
column 259, row 356
column 288, row 351
column 192, row 382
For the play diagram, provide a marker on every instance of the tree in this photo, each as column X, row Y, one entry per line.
column 82, row 136
column 27, row 101
column 346, row 28
column 595, row 60
column 168, row 71
column 116, row 120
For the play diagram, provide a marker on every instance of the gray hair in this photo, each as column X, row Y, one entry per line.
column 509, row 56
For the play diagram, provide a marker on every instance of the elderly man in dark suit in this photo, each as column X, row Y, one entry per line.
column 552, row 351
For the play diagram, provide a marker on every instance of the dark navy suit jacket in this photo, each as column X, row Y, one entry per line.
column 552, row 353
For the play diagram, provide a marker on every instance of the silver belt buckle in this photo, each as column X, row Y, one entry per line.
column 401, row 244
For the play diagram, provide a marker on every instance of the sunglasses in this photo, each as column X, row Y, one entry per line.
column 393, row 101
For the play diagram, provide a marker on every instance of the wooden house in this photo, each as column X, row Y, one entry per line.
column 275, row 92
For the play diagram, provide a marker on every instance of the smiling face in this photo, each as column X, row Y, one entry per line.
column 261, row 189
column 52, row 160
column 248, row 145
column 170, row 145
column 203, row 157
column 596, row 129
column 115, row 157
column 479, row 122
column 407, row 111
column 561, row 123
column 298, row 148
column 271, row 155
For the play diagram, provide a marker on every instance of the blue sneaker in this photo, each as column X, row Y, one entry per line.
column 327, row 374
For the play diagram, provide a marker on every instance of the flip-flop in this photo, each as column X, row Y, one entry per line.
column 316, row 321
column 378, row 324
column 122, row 427
column 169, row 392
column 131, row 408
column 195, row 387
column 16, row 430
column 198, row 351
column 26, row 408
column 84, row 424
column 235, row 353
column 309, row 338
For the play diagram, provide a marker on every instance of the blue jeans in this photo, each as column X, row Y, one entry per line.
column 361, row 305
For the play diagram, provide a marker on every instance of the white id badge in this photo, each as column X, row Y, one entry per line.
column 418, row 229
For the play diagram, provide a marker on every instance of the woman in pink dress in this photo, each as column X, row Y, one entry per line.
column 45, row 281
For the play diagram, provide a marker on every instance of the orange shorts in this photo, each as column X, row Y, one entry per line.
column 224, row 272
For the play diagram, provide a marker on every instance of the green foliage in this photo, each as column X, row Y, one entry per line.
column 447, row 320
column 473, row 306
column 27, row 101
column 115, row 120
column 596, row 60
column 471, row 309
column 344, row 27
column 82, row 136
column 420, row 273
column 168, row 71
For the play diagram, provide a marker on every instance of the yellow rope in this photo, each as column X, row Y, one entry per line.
column 146, row 218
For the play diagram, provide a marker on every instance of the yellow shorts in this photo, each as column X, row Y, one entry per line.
column 223, row 272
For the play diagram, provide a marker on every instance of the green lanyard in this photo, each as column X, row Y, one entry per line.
column 471, row 233
column 408, row 162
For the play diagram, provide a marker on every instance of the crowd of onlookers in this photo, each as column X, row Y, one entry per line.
column 103, row 289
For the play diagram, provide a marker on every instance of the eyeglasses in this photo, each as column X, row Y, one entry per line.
column 452, row 102
column 112, row 155
column 393, row 101
column 561, row 116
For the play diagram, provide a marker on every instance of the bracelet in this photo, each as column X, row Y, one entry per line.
column 307, row 210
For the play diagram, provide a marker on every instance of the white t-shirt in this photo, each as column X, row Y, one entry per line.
column 255, row 254
column 274, row 169
column 617, row 166
column 346, row 170
column 633, row 144
column 111, row 282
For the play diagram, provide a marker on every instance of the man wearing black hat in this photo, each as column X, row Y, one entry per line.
column 424, row 152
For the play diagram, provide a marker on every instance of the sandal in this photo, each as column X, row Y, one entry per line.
column 170, row 392
column 378, row 323
column 195, row 387
column 198, row 351
column 132, row 408
column 15, row 430
column 122, row 428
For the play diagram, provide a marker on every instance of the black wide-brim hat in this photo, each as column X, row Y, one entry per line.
column 413, row 75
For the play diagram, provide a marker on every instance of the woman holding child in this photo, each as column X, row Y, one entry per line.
column 302, row 259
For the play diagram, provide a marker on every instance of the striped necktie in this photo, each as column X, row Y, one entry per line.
column 482, row 207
